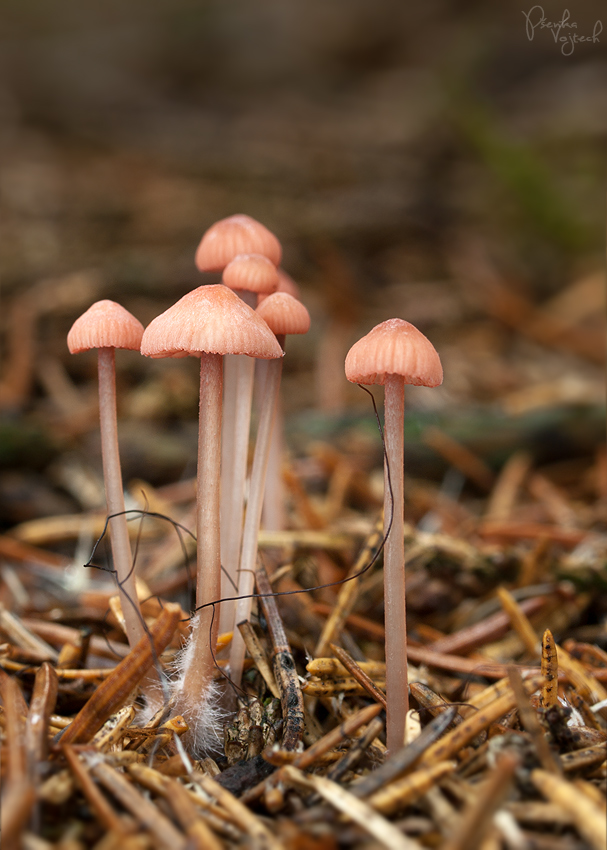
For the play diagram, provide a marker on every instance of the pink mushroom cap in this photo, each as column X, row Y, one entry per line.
column 105, row 325
column 394, row 347
column 284, row 314
column 251, row 272
column 238, row 234
column 209, row 319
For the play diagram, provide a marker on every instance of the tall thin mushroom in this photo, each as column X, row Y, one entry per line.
column 247, row 253
column 249, row 276
column 394, row 353
column 273, row 515
column 208, row 322
column 107, row 326
column 284, row 315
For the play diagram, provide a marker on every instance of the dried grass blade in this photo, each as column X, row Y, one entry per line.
column 302, row 760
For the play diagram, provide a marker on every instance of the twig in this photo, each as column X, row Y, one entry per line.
column 360, row 675
column 283, row 663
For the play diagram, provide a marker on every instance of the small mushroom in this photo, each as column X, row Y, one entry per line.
column 249, row 276
column 247, row 253
column 284, row 315
column 107, row 326
column 237, row 234
column 394, row 353
column 208, row 322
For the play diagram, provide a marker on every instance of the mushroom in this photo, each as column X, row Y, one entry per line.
column 107, row 326
column 237, row 234
column 208, row 322
column 247, row 253
column 273, row 515
column 284, row 315
column 394, row 353
column 249, row 275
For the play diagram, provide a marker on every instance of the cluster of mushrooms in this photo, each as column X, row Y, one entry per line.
column 249, row 313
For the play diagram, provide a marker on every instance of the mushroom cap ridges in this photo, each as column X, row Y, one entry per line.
column 284, row 314
column 238, row 234
column 209, row 319
column 105, row 325
column 394, row 347
column 251, row 272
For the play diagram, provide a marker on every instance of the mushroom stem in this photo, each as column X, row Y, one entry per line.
column 273, row 514
column 208, row 570
column 235, row 480
column 238, row 396
column 253, row 514
column 121, row 546
column 198, row 660
column 397, row 686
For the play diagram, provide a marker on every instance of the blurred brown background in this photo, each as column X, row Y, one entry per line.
column 427, row 161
